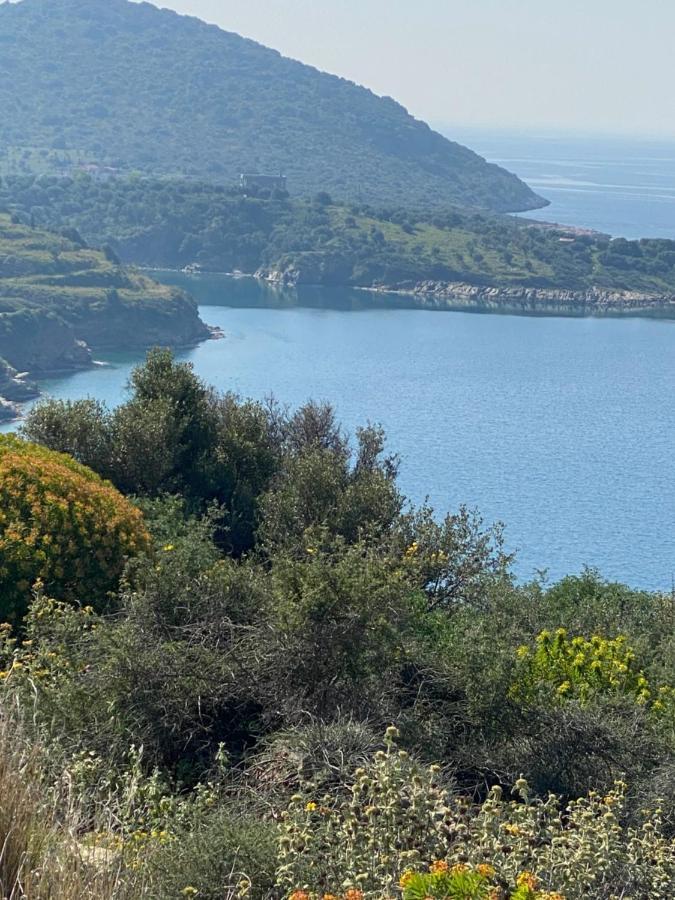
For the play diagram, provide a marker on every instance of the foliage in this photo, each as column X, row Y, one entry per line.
column 104, row 84
column 286, row 608
column 62, row 525
column 57, row 294
column 167, row 223
column 561, row 669
column 228, row 852
column 281, row 474
column 395, row 819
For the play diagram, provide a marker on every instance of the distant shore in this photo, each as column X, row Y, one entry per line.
column 453, row 296
column 511, row 299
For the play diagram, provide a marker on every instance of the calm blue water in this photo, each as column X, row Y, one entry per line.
column 561, row 428
column 622, row 187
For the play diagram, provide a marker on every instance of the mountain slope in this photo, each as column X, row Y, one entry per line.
column 141, row 88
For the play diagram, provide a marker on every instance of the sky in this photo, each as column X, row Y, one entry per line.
column 582, row 66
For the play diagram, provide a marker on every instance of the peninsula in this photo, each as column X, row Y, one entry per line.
column 451, row 259
column 60, row 300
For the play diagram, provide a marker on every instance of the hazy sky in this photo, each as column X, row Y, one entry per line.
column 583, row 65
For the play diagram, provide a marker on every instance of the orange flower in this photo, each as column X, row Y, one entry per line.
column 299, row 895
column 440, row 867
column 354, row 894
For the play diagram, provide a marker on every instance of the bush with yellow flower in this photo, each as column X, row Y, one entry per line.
column 561, row 668
column 61, row 524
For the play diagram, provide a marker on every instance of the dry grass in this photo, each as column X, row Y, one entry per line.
column 40, row 858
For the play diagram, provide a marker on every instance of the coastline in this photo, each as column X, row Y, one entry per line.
column 27, row 383
column 595, row 302
column 442, row 296
column 513, row 299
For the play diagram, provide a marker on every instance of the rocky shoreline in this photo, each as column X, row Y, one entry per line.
column 533, row 301
column 17, row 388
column 515, row 299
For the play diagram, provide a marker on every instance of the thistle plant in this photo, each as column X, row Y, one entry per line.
column 397, row 831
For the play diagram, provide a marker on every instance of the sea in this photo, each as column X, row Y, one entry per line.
column 618, row 186
column 562, row 429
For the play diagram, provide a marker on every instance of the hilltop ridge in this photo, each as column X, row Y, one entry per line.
column 210, row 104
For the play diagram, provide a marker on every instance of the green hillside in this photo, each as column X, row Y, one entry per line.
column 59, row 299
column 127, row 85
column 170, row 224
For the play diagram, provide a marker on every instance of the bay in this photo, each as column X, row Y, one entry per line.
column 561, row 428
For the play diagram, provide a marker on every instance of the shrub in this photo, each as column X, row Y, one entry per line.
column 395, row 823
column 561, row 669
column 227, row 853
column 60, row 523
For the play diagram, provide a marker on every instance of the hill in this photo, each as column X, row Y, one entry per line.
column 171, row 224
column 59, row 299
column 130, row 86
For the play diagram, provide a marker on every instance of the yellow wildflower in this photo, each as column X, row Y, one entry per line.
column 527, row 880
column 406, row 878
column 485, row 870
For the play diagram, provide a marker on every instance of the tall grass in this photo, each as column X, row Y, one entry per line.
column 41, row 857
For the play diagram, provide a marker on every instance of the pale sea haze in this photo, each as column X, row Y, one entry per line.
column 561, row 428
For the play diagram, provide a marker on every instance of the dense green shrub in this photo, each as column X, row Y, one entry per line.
column 61, row 524
column 287, row 609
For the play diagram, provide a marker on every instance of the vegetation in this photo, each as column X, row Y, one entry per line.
column 103, row 81
column 173, row 224
column 57, row 296
column 60, row 525
column 214, row 727
column 397, row 828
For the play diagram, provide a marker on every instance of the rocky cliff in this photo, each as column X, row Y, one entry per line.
column 60, row 301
